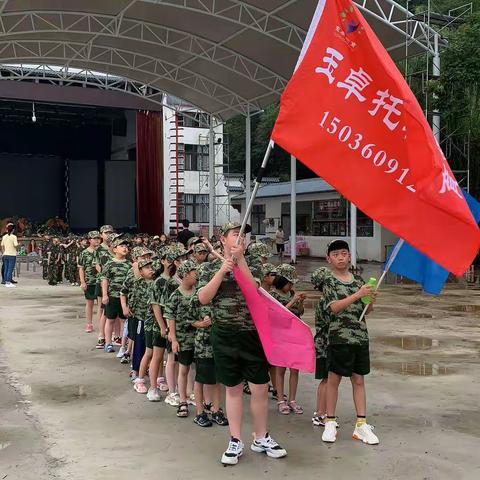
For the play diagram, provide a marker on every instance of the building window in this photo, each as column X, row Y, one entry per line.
column 193, row 120
column 195, row 157
column 258, row 216
column 364, row 225
column 194, row 207
column 330, row 218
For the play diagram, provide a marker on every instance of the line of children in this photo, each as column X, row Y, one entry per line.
column 189, row 304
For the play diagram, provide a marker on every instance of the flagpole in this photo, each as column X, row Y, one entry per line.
column 258, row 181
column 393, row 256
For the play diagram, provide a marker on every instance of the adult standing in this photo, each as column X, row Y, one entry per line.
column 9, row 250
column 280, row 241
column 185, row 235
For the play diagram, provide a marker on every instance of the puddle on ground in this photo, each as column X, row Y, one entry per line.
column 465, row 308
column 420, row 368
column 410, row 342
column 65, row 394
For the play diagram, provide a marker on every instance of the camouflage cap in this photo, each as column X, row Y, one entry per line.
column 119, row 241
column 186, row 267
column 319, row 276
column 191, row 241
column 269, row 268
column 144, row 263
column 136, row 251
column 93, row 234
column 106, row 229
column 172, row 252
column 113, row 236
column 259, row 249
column 156, row 237
column 218, row 246
column 288, row 272
column 144, row 251
column 200, row 247
column 232, row 225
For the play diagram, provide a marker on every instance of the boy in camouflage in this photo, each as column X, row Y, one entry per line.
column 181, row 333
column 348, row 343
column 237, row 350
column 138, row 293
column 321, row 341
column 283, row 292
column 54, row 258
column 88, row 276
column 112, row 277
column 101, row 257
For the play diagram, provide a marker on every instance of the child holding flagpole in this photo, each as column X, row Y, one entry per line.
column 348, row 343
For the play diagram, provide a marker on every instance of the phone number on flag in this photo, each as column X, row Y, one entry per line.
column 368, row 151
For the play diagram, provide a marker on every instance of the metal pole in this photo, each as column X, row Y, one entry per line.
column 211, row 180
column 248, row 163
column 436, row 74
column 293, row 209
column 256, row 186
column 353, row 234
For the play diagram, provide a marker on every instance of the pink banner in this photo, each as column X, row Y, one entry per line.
column 286, row 340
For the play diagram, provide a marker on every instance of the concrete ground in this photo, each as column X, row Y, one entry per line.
column 67, row 411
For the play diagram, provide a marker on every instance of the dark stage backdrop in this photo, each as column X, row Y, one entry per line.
column 32, row 164
column 32, row 186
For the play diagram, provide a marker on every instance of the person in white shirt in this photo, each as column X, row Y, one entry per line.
column 9, row 250
column 280, row 241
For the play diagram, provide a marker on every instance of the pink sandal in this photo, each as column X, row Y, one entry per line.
column 283, row 408
column 139, row 386
column 295, row 408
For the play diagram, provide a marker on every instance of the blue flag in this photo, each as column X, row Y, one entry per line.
column 416, row 266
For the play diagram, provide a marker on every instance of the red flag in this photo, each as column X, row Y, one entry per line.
column 348, row 114
column 286, row 340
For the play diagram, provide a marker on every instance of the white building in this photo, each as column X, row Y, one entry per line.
column 322, row 215
column 186, row 168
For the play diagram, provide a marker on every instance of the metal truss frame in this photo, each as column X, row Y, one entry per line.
column 22, row 32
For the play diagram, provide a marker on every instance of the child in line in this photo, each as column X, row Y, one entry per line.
column 321, row 340
column 283, row 292
column 112, row 277
column 88, row 276
column 348, row 343
column 181, row 331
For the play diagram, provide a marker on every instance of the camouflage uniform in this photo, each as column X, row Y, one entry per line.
column 71, row 263
column 321, row 321
column 348, row 345
column 115, row 273
column 45, row 247
column 259, row 250
column 237, row 350
column 54, row 266
column 344, row 327
column 85, row 262
column 178, row 308
column 101, row 257
column 285, row 299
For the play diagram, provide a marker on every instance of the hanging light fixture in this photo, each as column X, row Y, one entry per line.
column 34, row 118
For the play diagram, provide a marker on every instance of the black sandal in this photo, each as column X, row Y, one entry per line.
column 246, row 389
column 182, row 410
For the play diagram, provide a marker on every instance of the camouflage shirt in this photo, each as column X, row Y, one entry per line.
column 170, row 286
column 203, row 345
column 179, row 309
column 115, row 272
column 55, row 252
column 101, row 257
column 137, row 290
column 286, row 298
column 85, row 261
column 318, row 279
column 228, row 307
column 156, row 293
column 344, row 327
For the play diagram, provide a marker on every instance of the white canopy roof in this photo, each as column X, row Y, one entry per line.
column 223, row 56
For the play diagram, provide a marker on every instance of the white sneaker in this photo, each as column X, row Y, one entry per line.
column 121, row 352
column 233, row 452
column 191, row 400
column 10, row 285
column 172, row 399
column 365, row 434
column 330, row 433
column 269, row 446
column 153, row 395
column 162, row 384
